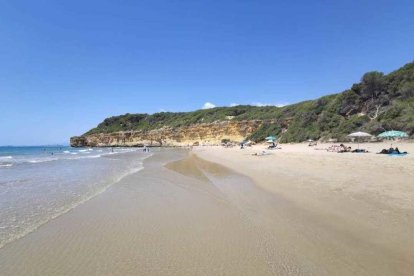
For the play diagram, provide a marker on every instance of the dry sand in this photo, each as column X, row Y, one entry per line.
column 351, row 213
column 216, row 211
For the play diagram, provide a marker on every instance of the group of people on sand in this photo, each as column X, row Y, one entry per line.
column 391, row 150
column 342, row 148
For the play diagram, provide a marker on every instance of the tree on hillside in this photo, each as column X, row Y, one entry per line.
column 372, row 84
column 373, row 87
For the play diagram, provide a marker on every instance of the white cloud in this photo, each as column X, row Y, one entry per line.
column 269, row 104
column 281, row 104
column 208, row 105
column 260, row 104
column 234, row 104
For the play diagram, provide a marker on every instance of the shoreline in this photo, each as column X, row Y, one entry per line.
column 68, row 208
column 224, row 211
column 156, row 221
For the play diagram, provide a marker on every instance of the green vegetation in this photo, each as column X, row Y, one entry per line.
column 379, row 102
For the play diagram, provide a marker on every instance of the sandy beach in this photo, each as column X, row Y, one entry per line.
column 351, row 213
column 201, row 138
column 224, row 211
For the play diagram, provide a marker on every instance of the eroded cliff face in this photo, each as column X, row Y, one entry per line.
column 211, row 133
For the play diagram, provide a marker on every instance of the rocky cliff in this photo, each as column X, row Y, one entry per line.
column 205, row 133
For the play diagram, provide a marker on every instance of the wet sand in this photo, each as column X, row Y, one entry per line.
column 225, row 212
column 157, row 221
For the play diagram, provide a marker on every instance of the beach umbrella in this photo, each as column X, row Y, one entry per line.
column 359, row 135
column 393, row 134
column 271, row 138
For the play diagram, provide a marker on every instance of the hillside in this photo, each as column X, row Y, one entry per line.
column 378, row 102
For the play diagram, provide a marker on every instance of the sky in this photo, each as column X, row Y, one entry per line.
column 67, row 65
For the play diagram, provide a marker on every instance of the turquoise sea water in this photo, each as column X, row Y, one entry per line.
column 38, row 184
column 11, row 156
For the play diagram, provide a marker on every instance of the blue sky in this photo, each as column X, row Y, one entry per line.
column 67, row 65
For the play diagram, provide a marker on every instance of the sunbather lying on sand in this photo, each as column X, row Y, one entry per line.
column 360, row 151
column 391, row 151
column 260, row 153
column 343, row 148
column 340, row 148
column 333, row 148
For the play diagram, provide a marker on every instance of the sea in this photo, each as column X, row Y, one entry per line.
column 37, row 184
